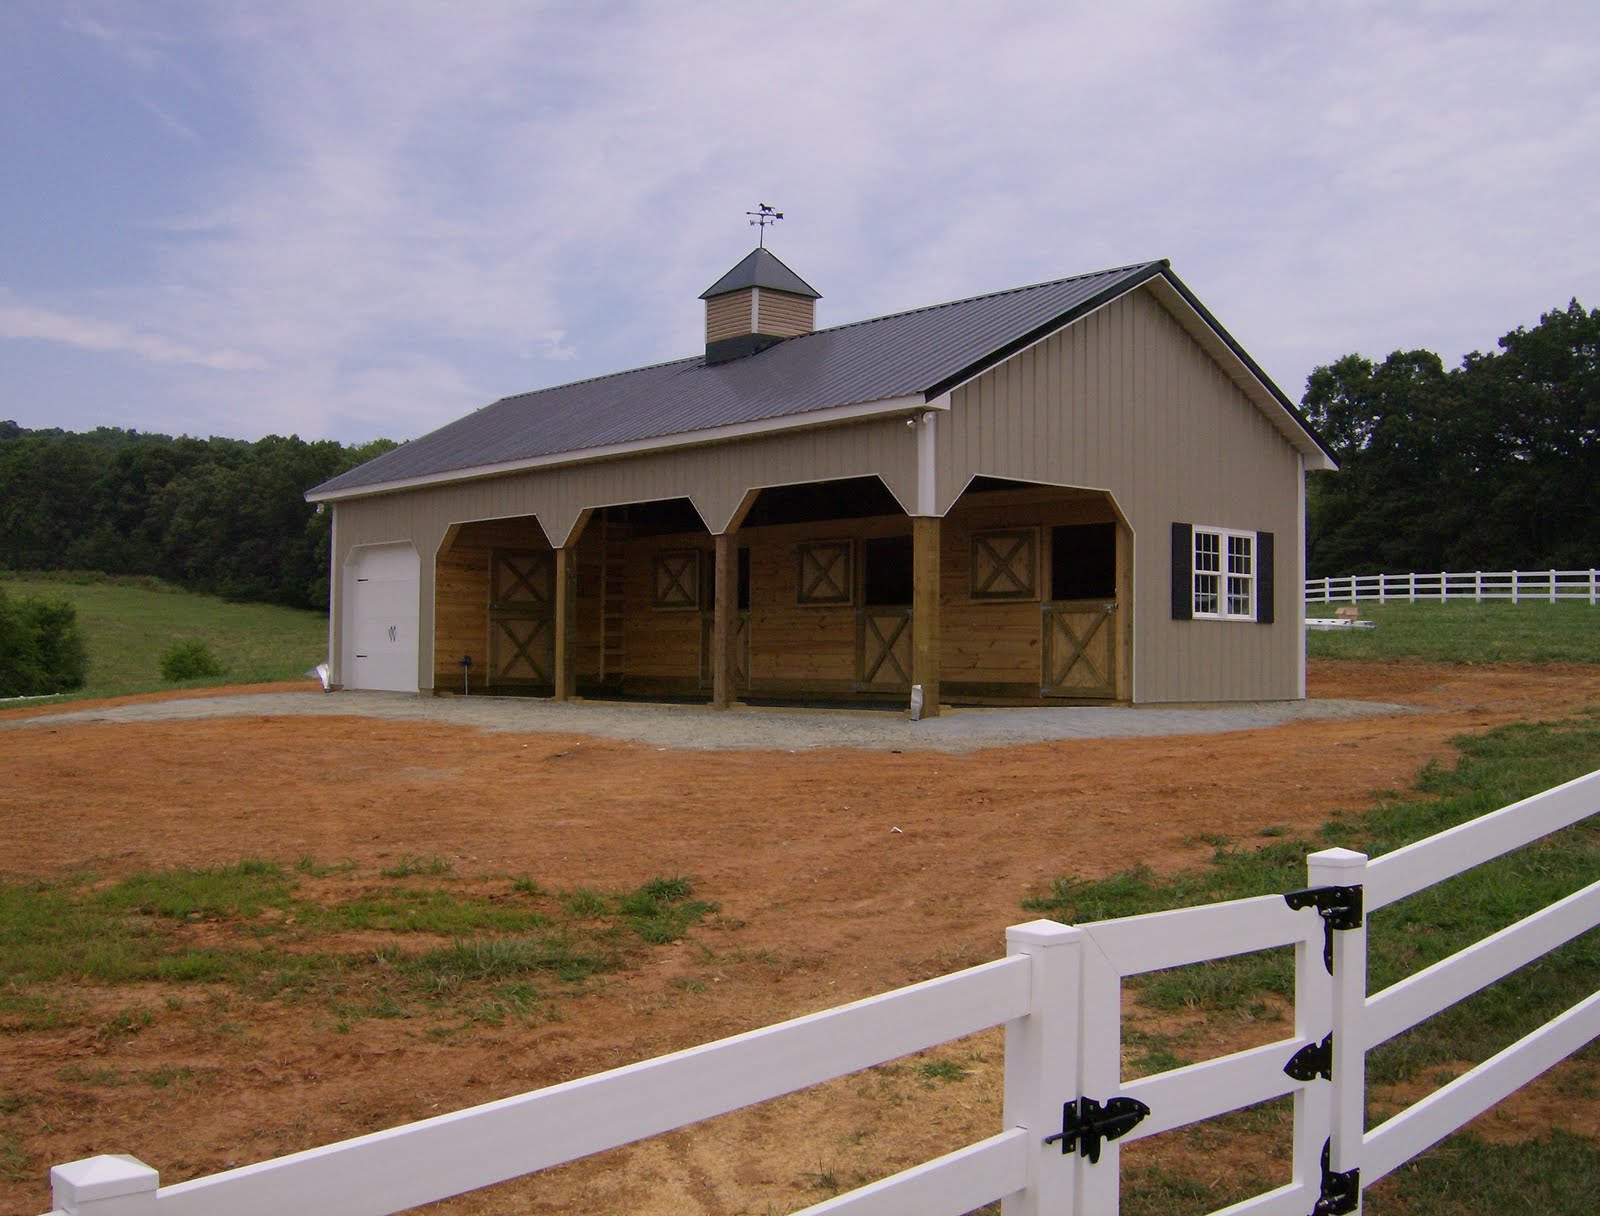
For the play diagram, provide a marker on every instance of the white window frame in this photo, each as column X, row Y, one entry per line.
column 1226, row 577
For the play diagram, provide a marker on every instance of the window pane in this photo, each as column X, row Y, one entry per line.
column 1205, row 592
column 1238, row 596
column 1207, row 552
column 1239, row 554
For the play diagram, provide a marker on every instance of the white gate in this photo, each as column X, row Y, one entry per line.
column 1067, row 1109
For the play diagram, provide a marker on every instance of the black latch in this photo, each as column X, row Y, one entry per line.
column 1341, row 1193
column 1085, row 1123
column 1339, row 907
column 1312, row 1061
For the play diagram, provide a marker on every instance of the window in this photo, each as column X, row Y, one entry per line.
column 1224, row 575
column 676, row 579
column 1005, row 564
column 1083, row 562
column 887, row 578
column 822, row 572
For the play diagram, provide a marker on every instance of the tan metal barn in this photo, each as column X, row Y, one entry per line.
column 1080, row 490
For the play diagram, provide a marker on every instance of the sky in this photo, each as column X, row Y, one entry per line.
column 353, row 219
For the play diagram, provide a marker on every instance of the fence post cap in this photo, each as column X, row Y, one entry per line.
column 108, row 1176
column 1041, row 933
column 1338, row 859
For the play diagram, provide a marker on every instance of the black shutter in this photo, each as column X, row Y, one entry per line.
column 1264, row 597
column 1183, row 572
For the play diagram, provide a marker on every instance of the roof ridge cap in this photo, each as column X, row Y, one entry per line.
column 988, row 295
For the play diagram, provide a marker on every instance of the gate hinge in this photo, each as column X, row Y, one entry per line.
column 1312, row 1061
column 1341, row 1193
column 1339, row 907
column 1085, row 1123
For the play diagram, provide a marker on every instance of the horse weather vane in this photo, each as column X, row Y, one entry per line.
column 763, row 216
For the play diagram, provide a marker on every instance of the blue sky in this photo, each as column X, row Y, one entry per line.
column 348, row 219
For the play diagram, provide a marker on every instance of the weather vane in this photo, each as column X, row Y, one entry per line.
column 762, row 217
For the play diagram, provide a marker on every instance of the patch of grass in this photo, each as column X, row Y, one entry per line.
column 1494, row 769
column 429, row 865
column 1456, row 632
column 585, row 904
column 940, row 1072
column 129, row 624
column 1465, row 1176
column 141, row 928
column 16, row 1164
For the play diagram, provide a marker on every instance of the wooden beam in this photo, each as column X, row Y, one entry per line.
column 925, row 654
column 724, row 611
column 566, row 596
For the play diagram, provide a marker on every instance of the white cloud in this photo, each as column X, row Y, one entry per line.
column 444, row 204
column 21, row 321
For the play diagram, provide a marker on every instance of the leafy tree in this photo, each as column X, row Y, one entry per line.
column 1491, row 465
column 41, row 647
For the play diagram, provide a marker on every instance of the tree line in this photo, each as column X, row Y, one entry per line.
column 1490, row 465
column 217, row 515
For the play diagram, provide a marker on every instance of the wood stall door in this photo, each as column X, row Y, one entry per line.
column 1079, row 622
column 883, row 622
column 522, row 618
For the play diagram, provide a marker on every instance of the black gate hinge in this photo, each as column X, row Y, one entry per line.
column 1085, row 1123
column 1341, row 1193
column 1312, row 1061
column 1339, row 907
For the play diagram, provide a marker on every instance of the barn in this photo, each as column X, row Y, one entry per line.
column 1078, row 491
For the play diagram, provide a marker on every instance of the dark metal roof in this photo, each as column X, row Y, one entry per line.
column 927, row 351
column 761, row 268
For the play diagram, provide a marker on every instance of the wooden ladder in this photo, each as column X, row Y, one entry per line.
column 613, row 587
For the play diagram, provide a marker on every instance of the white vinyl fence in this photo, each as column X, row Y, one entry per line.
column 1477, row 585
column 1057, row 992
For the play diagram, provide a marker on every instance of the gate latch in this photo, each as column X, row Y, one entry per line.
column 1339, row 907
column 1085, row 1123
column 1341, row 1193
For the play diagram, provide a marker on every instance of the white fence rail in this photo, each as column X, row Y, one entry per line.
column 1477, row 585
column 1058, row 993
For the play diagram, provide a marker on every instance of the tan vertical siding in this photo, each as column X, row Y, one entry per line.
column 1145, row 413
column 783, row 315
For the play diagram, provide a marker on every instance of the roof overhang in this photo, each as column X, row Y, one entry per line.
column 858, row 412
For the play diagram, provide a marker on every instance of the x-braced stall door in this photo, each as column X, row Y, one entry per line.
column 522, row 617
column 1080, row 649
column 380, row 638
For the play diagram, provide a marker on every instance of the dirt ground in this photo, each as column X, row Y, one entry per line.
column 839, row 875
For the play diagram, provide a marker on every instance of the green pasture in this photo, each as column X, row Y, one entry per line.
column 129, row 623
column 1464, row 632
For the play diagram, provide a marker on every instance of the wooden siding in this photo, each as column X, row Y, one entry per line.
column 728, row 316
column 1127, row 402
column 783, row 315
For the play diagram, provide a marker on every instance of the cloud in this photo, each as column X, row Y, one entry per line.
column 20, row 321
column 428, row 203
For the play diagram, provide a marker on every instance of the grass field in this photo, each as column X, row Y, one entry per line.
column 128, row 624
column 1495, row 769
column 1498, row 632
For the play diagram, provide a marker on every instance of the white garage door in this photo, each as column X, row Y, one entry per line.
column 380, row 635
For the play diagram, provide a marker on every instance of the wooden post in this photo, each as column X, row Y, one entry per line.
column 724, row 613
column 566, row 590
column 925, row 610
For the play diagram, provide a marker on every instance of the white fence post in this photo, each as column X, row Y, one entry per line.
column 108, row 1185
column 1344, row 868
column 1042, row 1063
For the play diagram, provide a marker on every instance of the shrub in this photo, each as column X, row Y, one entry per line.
column 189, row 661
column 41, row 647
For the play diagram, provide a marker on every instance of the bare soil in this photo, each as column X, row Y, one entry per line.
column 839, row 874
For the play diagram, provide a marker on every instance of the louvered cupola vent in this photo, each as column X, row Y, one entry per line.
column 757, row 304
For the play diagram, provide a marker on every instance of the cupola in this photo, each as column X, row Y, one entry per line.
column 757, row 304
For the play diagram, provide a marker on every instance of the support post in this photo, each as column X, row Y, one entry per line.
column 1042, row 1064
column 925, row 610
column 1348, row 1092
column 566, row 683
column 108, row 1185
column 724, row 610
